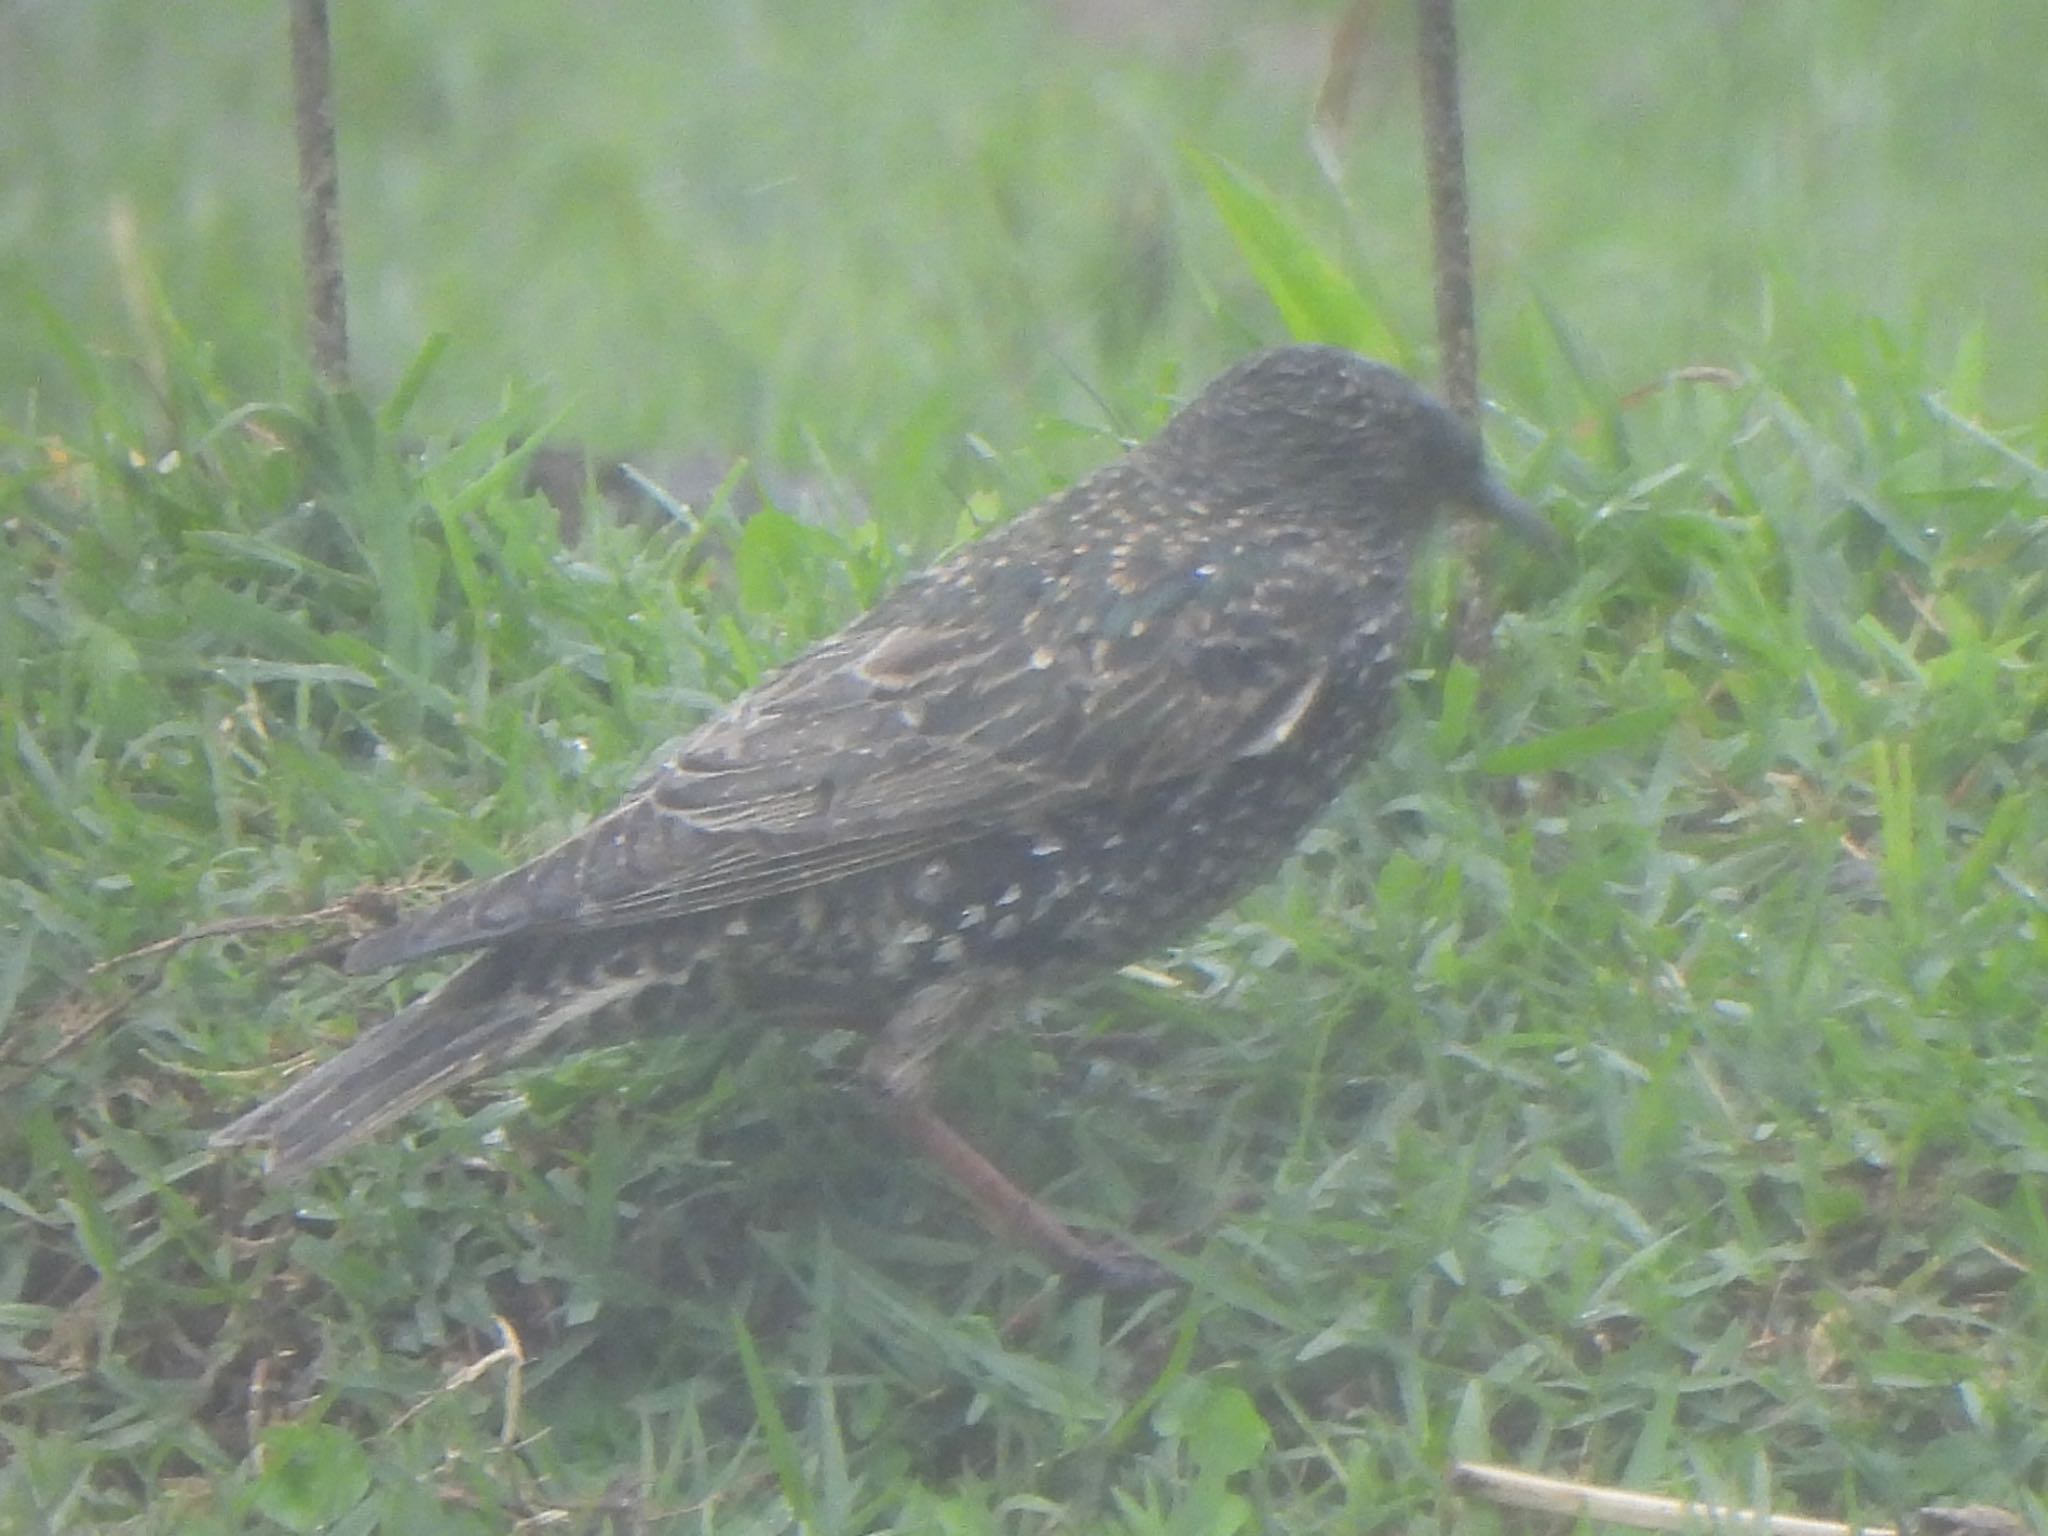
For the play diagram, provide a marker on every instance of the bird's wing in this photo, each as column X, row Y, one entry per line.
column 1023, row 676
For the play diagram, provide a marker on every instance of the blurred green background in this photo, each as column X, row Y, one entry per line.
column 785, row 229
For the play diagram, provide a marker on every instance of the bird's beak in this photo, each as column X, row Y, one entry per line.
column 1497, row 501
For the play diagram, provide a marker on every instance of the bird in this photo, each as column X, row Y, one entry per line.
column 1064, row 745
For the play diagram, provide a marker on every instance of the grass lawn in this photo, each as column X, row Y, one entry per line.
column 1636, row 1075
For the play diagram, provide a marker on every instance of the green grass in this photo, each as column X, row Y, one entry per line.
column 1635, row 1077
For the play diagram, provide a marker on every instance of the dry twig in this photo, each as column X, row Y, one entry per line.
column 1450, row 218
column 319, row 191
column 1653, row 1512
column 77, row 1015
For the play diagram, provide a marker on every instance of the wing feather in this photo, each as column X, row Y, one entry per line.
column 1049, row 666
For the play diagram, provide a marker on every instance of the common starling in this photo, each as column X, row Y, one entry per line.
column 1057, row 749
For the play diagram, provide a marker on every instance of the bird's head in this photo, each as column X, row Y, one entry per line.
column 1319, row 433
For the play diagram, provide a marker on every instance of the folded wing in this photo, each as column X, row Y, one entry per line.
column 1039, row 670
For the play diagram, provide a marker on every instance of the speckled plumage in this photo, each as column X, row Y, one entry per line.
column 1060, row 747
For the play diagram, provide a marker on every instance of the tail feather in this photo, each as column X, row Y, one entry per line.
column 465, row 1027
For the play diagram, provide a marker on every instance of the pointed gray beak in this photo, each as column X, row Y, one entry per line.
column 1497, row 501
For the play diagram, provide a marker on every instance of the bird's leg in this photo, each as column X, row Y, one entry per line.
column 898, row 1064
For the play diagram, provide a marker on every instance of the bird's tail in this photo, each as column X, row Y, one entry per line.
column 473, row 1022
